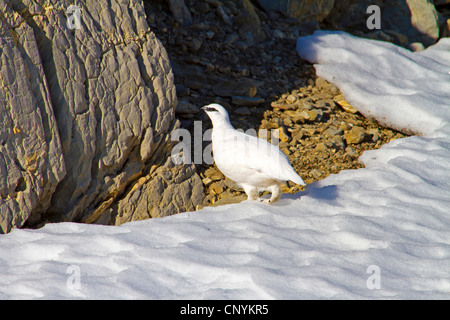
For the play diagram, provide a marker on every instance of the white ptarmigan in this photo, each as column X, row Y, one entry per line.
column 253, row 163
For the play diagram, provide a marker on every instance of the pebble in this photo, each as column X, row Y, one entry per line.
column 207, row 181
column 316, row 173
column 225, row 17
column 344, row 104
column 214, row 174
column 321, row 146
column 217, row 187
column 291, row 99
column 351, row 153
column 231, row 38
column 210, row 34
column 332, row 131
column 281, row 134
column 185, row 107
column 355, row 135
column 246, row 101
column 243, row 111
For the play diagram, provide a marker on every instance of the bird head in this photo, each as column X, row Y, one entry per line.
column 217, row 114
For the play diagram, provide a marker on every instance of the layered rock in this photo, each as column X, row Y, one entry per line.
column 31, row 159
column 91, row 100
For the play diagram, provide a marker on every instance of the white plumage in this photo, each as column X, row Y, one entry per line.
column 253, row 163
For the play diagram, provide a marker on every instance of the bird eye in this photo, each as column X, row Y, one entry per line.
column 210, row 109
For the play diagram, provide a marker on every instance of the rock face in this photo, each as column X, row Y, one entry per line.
column 31, row 160
column 89, row 104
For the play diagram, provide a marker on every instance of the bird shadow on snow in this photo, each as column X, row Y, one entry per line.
column 314, row 191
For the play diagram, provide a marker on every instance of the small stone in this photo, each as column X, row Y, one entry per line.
column 416, row 46
column 217, row 187
column 339, row 99
column 245, row 72
column 266, row 124
column 278, row 34
column 225, row 18
column 355, row 135
column 231, row 38
column 325, row 104
column 203, row 7
column 214, row 3
column 316, row 173
column 180, row 12
column 306, row 104
column 288, row 122
column 298, row 135
column 230, row 184
column 332, row 131
column 323, row 84
column 351, row 153
column 345, row 126
column 314, row 115
column 185, row 107
column 281, row 134
column 246, row 101
column 321, row 147
column 375, row 133
column 210, row 34
column 207, row 181
column 241, row 87
column 282, row 106
column 243, row 111
column 291, row 99
column 214, row 174
column 339, row 142
column 194, row 45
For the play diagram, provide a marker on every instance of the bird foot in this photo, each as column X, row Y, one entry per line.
column 266, row 201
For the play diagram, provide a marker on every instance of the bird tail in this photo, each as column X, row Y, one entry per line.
column 298, row 180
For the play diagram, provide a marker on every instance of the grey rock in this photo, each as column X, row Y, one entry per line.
column 224, row 16
column 248, row 20
column 241, row 87
column 243, row 111
column 231, row 38
column 31, row 160
column 424, row 19
column 416, row 46
column 355, row 135
column 246, row 101
column 185, row 107
column 180, row 12
column 332, row 131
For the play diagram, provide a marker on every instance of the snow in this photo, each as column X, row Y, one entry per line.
column 378, row 232
column 405, row 90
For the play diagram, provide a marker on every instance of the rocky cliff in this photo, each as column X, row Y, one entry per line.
column 87, row 102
